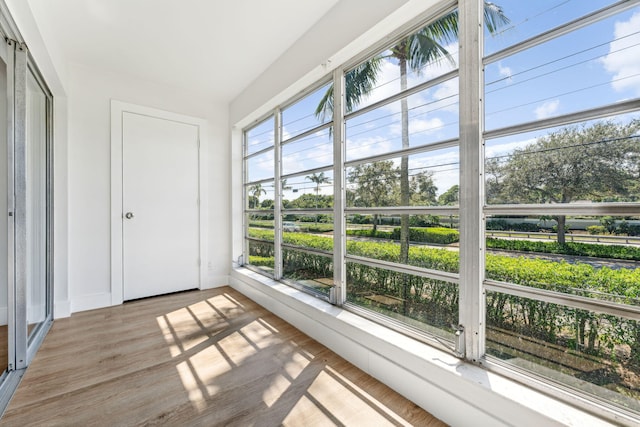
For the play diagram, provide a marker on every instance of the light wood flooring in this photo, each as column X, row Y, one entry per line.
column 200, row 358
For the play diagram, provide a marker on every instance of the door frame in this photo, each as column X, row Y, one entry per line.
column 118, row 108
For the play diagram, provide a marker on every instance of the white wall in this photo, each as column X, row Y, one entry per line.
column 90, row 93
column 312, row 55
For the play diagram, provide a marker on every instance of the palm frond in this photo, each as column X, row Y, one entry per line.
column 325, row 106
column 359, row 82
column 494, row 17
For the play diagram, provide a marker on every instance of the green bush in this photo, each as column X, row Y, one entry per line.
column 316, row 228
column 260, row 261
column 596, row 229
column 571, row 248
column 370, row 233
column 261, row 224
column 503, row 225
column 439, row 235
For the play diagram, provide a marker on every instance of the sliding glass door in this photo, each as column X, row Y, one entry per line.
column 4, row 246
column 26, row 239
column 36, row 203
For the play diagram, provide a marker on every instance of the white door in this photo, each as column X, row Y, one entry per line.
column 160, row 232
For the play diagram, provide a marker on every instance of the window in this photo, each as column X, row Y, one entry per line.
column 562, row 151
column 501, row 223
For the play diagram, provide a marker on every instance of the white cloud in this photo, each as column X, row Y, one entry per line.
column 505, row 71
column 547, row 109
column 370, row 146
column 426, row 126
column 506, row 148
column 623, row 60
column 307, row 154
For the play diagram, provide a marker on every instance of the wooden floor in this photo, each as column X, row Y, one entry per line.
column 201, row 358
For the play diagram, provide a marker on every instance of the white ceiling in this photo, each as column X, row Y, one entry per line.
column 214, row 47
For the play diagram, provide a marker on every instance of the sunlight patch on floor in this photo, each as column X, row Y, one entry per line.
column 237, row 348
column 306, row 412
column 258, row 335
column 194, row 387
column 276, row 389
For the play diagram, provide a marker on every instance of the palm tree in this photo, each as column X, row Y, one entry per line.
column 318, row 178
column 256, row 191
column 284, row 185
column 415, row 52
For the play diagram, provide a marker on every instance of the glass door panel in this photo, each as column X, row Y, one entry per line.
column 36, row 208
column 4, row 248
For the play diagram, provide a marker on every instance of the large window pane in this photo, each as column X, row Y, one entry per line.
column 594, row 353
column 422, row 56
column 432, row 244
column 428, row 176
column 531, row 18
column 308, row 231
column 425, row 304
column 260, row 137
column 311, row 152
column 311, row 191
column 431, row 116
column 260, row 166
column 260, row 243
column 311, row 111
column 595, row 161
column 574, row 72
column 600, row 258
column 260, row 195
column 261, row 256
column 312, row 270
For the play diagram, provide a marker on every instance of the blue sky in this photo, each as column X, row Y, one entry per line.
column 590, row 67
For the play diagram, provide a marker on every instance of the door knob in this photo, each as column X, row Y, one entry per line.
column 128, row 215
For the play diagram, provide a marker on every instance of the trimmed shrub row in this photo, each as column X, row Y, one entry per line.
column 571, row 248
column 438, row 235
column 435, row 303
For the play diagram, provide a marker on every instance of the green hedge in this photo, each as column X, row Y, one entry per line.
column 432, row 302
column 572, row 248
column 439, row 235
column 378, row 234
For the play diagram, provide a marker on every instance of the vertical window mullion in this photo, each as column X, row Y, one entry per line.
column 277, row 191
column 339, row 190
column 245, row 202
column 472, row 306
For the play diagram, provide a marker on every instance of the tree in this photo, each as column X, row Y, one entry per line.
column 450, row 197
column 374, row 185
column 595, row 162
column 422, row 189
column 424, row 47
column 311, row 201
column 318, row 179
column 255, row 191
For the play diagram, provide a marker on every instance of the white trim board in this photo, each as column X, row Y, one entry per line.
column 118, row 108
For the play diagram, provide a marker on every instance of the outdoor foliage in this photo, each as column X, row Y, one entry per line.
column 435, row 302
column 571, row 248
column 597, row 162
column 439, row 235
column 502, row 225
